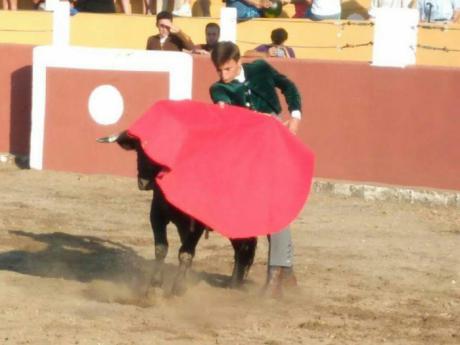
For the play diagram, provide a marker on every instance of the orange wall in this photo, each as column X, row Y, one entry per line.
column 15, row 97
column 388, row 125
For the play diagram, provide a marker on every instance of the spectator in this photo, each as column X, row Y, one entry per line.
column 95, row 6
column 11, row 5
column 246, row 9
column 126, row 6
column 169, row 37
column 41, row 6
column 325, row 9
column 275, row 49
column 301, row 7
column 182, row 8
column 148, row 6
column 390, row 3
column 212, row 32
column 439, row 10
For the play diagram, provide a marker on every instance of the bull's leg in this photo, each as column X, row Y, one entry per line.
column 190, row 232
column 245, row 250
column 158, row 222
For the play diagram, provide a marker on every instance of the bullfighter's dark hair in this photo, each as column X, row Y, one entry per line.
column 223, row 52
column 279, row 36
column 164, row 15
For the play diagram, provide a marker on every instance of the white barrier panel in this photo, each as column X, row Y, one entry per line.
column 395, row 37
column 178, row 65
column 228, row 24
column 61, row 23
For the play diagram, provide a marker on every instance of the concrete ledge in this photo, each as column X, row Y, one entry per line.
column 369, row 192
column 21, row 162
column 396, row 193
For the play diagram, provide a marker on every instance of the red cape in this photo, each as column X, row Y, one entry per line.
column 239, row 172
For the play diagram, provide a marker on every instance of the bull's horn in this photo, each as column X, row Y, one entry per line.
column 111, row 138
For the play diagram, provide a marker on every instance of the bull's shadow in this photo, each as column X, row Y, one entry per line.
column 82, row 258
column 87, row 258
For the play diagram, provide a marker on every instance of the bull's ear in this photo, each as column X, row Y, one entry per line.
column 123, row 139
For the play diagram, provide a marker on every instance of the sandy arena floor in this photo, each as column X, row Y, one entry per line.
column 75, row 252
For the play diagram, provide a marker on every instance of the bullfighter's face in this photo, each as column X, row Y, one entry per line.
column 229, row 70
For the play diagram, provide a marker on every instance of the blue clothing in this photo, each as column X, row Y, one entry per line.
column 244, row 10
column 439, row 10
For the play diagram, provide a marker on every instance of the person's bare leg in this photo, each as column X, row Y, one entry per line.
column 205, row 7
column 126, row 6
column 11, row 5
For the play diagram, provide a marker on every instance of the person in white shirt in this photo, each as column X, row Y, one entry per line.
column 439, row 10
column 324, row 9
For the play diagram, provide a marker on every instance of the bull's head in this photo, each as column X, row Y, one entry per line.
column 146, row 169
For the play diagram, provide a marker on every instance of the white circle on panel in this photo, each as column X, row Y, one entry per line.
column 106, row 105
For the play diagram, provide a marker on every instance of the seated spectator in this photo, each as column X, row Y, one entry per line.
column 325, row 9
column 301, row 7
column 390, row 3
column 246, row 9
column 169, row 37
column 11, row 5
column 212, row 32
column 148, row 6
column 38, row 4
column 439, row 10
column 95, row 6
column 182, row 8
column 275, row 49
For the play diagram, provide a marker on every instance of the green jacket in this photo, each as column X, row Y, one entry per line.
column 258, row 92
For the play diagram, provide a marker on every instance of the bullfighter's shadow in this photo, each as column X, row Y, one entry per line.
column 87, row 258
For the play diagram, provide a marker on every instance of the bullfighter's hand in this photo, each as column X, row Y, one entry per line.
column 293, row 125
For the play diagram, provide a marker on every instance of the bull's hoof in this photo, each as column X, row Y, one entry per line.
column 185, row 260
column 239, row 274
column 161, row 251
column 235, row 283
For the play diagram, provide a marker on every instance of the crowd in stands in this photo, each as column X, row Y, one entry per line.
column 172, row 38
column 430, row 10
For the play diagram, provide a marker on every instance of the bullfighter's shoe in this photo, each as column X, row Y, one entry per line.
column 278, row 279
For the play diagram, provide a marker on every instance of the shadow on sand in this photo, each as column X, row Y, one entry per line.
column 88, row 258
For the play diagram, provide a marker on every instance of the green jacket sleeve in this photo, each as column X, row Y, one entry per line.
column 218, row 94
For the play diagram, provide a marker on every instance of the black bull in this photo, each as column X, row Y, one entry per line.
column 190, row 230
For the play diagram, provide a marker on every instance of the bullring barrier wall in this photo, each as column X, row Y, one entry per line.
column 367, row 124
